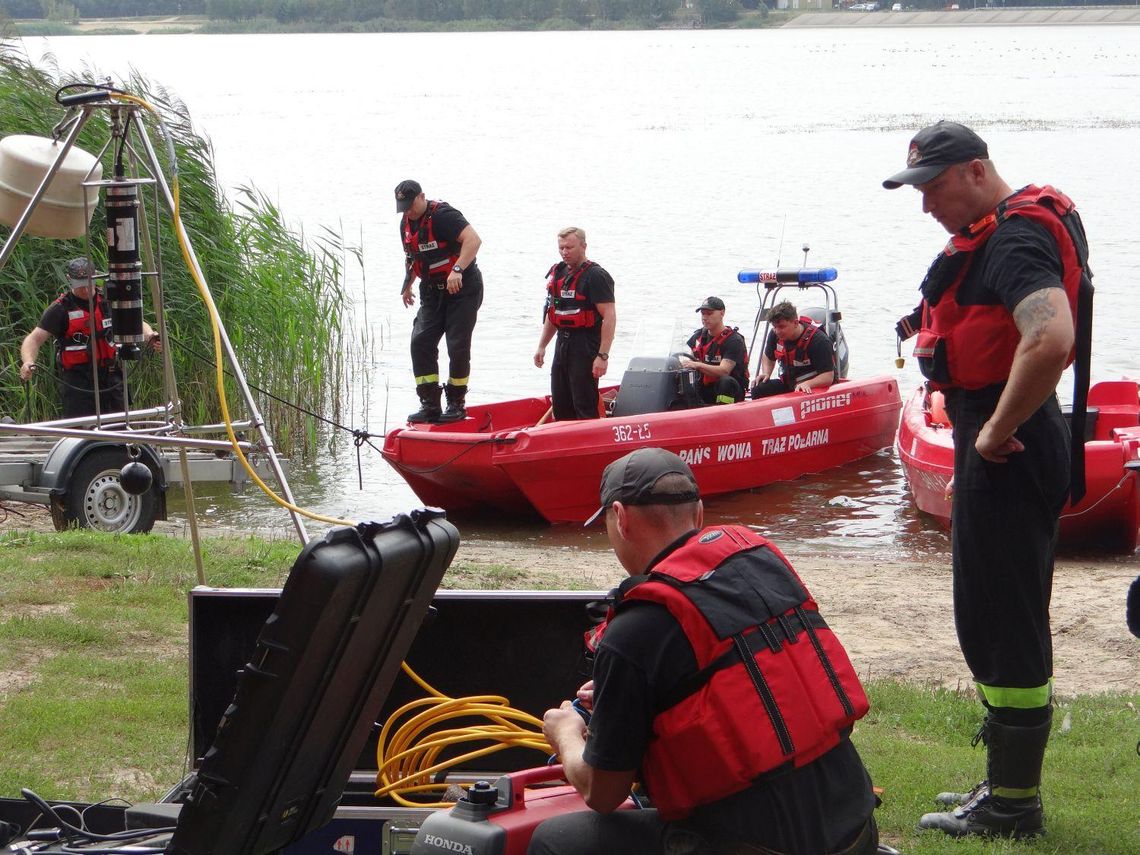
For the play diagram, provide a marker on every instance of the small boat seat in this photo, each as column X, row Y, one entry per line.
column 1091, row 414
column 655, row 384
column 829, row 322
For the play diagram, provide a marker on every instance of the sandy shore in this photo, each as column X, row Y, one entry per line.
column 894, row 618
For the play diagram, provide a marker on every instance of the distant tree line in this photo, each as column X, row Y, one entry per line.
column 35, row 9
column 335, row 11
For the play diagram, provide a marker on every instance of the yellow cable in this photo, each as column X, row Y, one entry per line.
column 409, row 761
column 215, row 326
column 413, row 739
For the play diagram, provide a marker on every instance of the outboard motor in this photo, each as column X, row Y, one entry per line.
column 654, row 384
column 830, row 325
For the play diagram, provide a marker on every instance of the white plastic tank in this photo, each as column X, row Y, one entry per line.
column 24, row 161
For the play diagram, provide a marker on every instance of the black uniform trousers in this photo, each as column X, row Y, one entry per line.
column 78, row 396
column 451, row 315
column 573, row 386
column 1004, row 531
column 725, row 390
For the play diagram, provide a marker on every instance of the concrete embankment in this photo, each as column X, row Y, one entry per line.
column 970, row 18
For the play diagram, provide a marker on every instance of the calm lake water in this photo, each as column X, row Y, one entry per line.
column 685, row 156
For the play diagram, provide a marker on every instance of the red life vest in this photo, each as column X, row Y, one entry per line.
column 971, row 347
column 431, row 259
column 708, row 350
column 566, row 302
column 73, row 348
column 794, row 357
column 773, row 684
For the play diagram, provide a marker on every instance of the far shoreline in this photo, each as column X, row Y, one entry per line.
column 749, row 20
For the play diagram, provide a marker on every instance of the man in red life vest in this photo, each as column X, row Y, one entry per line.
column 439, row 249
column 717, row 678
column 996, row 329
column 68, row 321
column 580, row 311
column 800, row 348
column 719, row 355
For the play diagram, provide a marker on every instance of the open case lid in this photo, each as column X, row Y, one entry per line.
column 305, row 701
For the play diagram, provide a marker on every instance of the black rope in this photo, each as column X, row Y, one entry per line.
column 359, row 436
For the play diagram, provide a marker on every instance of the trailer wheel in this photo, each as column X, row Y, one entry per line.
column 95, row 499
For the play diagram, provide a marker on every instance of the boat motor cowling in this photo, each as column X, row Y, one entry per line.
column 655, row 385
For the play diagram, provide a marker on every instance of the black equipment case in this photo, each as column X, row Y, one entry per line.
column 306, row 698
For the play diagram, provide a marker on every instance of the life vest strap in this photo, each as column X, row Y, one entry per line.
column 763, row 639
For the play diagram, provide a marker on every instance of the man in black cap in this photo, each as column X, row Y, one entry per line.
column 995, row 329
column 580, row 311
column 676, row 693
column 802, row 350
column 720, row 355
column 439, row 249
column 69, row 321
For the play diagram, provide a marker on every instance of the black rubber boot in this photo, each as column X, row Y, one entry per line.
column 456, row 399
column 956, row 799
column 429, row 411
column 1010, row 805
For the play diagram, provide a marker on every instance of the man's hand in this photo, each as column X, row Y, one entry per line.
column 994, row 447
column 26, row 370
column 586, row 695
column 599, row 367
column 539, row 357
column 407, row 296
column 803, row 387
column 454, row 282
column 564, row 728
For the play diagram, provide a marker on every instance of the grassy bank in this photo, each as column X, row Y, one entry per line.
column 93, row 694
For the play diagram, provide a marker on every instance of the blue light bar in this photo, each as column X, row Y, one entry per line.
column 788, row 276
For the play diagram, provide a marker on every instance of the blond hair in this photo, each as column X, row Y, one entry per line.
column 573, row 230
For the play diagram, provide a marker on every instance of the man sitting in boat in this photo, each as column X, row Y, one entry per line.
column 802, row 350
column 719, row 354
column 729, row 768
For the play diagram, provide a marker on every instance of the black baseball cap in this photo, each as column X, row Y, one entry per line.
column 406, row 193
column 934, row 148
column 631, row 480
column 80, row 272
column 712, row 303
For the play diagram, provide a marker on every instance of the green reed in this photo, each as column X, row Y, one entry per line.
column 281, row 296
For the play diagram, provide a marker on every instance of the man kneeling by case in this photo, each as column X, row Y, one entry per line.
column 717, row 684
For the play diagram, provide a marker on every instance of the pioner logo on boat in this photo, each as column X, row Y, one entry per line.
column 827, row 402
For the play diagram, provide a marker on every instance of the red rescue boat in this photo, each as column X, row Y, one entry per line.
column 508, row 458
column 1108, row 517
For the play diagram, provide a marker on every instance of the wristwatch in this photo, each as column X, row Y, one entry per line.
column 604, row 356
column 457, row 269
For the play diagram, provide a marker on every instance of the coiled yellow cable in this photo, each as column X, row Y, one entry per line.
column 408, row 752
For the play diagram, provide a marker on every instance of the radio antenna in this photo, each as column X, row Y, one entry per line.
column 780, row 248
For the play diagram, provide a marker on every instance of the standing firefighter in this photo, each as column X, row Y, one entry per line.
column 439, row 248
column 995, row 329
column 580, row 311
column 80, row 353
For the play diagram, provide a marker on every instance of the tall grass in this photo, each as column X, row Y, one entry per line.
column 280, row 296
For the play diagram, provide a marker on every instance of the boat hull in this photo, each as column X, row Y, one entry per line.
column 554, row 469
column 1108, row 517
